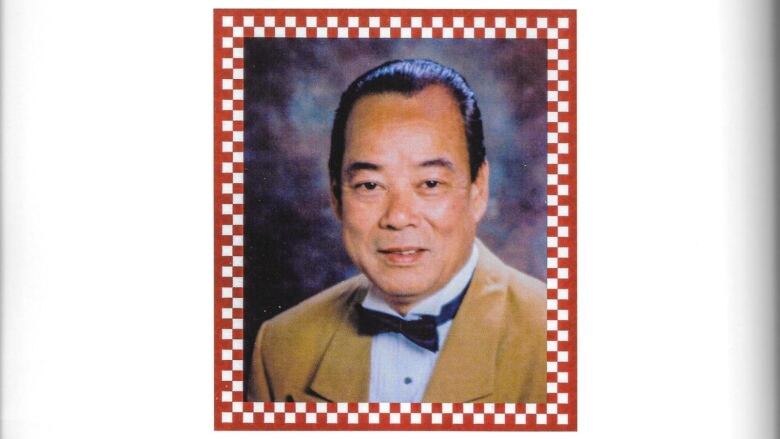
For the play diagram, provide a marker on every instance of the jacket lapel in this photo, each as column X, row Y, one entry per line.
column 465, row 369
column 343, row 372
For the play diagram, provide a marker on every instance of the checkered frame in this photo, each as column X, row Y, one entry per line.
column 558, row 28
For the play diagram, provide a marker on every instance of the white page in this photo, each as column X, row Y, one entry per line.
column 107, row 309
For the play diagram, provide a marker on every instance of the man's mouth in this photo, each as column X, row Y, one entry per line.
column 402, row 255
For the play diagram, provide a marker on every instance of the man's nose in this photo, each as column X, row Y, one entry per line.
column 400, row 211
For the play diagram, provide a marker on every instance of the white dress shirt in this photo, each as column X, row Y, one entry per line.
column 400, row 370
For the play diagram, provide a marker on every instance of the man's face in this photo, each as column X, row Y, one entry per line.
column 409, row 208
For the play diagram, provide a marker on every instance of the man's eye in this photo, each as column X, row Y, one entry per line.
column 430, row 184
column 369, row 185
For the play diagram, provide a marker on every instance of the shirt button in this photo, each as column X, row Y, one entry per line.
column 407, row 380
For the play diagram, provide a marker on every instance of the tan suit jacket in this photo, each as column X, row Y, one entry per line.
column 495, row 350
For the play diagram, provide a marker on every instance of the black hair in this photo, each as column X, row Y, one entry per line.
column 408, row 77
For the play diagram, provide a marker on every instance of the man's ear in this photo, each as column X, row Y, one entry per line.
column 480, row 192
column 335, row 204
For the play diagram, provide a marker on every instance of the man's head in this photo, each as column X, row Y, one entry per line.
column 407, row 77
column 408, row 176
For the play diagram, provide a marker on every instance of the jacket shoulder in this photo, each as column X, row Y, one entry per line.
column 521, row 289
column 527, row 295
column 319, row 314
column 526, row 287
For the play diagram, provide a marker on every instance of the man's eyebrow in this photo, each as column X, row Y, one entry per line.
column 360, row 166
column 438, row 162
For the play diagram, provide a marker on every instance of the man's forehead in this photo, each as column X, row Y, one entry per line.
column 356, row 166
column 423, row 130
column 434, row 102
column 431, row 115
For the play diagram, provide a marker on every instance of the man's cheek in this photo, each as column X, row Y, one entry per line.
column 357, row 230
column 443, row 211
column 360, row 215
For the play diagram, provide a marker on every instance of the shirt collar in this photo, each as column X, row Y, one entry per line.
column 433, row 303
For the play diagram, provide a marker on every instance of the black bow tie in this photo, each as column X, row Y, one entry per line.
column 421, row 332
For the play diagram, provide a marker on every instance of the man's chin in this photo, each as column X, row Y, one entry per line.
column 402, row 294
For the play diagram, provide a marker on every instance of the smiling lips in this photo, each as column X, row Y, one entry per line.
column 402, row 255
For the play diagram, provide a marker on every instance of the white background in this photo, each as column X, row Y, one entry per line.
column 107, row 217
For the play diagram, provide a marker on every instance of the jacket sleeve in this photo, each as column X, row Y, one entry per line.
column 259, row 385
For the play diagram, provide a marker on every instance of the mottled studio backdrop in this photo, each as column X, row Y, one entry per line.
column 292, row 239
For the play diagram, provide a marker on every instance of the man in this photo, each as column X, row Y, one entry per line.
column 434, row 316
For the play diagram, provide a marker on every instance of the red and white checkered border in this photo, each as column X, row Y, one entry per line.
column 557, row 27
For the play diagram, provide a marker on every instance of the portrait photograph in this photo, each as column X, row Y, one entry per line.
column 395, row 204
